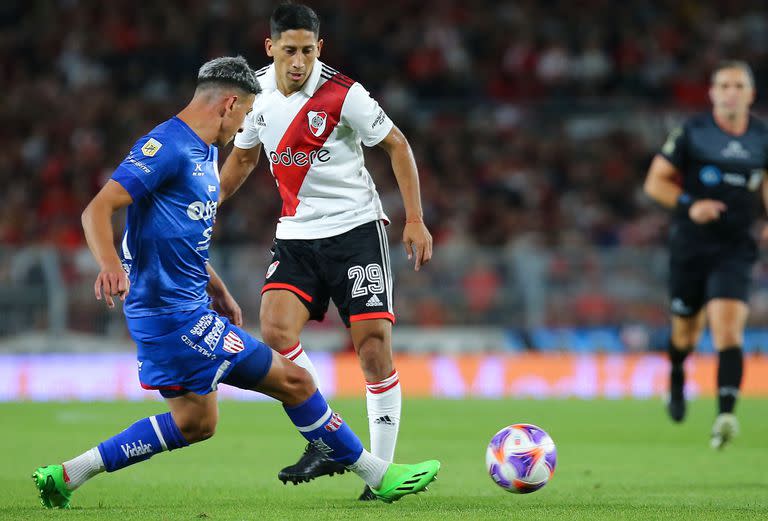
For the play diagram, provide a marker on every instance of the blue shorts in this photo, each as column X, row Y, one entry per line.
column 194, row 351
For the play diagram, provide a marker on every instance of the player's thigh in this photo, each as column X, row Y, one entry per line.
column 196, row 415
column 287, row 382
column 283, row 312
column 686, row 330
column 687, row 287
column 727, row 319
column 728, row 292
column 293, row 281
column 359, row 274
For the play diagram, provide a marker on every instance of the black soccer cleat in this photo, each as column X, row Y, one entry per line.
column 367, row 495
column 676, row 402
column 676, row 408
column 311, row 465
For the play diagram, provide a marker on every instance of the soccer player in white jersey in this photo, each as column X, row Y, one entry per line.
column 330, row 239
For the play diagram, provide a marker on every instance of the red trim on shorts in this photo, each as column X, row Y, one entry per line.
column 372, row 316
column 387, row 388
column 289, row 287
column 162, row 387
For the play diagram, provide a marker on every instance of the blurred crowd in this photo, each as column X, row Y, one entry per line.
column 533, row 122
column 488, row 92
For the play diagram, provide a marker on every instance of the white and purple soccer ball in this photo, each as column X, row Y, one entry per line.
column 521, row 458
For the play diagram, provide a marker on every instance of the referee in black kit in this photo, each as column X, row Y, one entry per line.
column 708, row 172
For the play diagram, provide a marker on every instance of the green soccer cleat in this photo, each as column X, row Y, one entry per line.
column 53, row 490
column 401, row 480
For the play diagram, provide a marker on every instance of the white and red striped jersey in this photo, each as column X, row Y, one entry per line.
column 312, row 140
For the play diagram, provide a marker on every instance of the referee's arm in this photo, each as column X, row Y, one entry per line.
column 661, row 184
column 764, row 232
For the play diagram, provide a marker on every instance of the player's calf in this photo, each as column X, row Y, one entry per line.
column 137, row 443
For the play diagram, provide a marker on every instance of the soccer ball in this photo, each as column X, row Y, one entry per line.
column 521, row 458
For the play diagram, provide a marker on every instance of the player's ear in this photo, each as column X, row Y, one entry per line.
column 319, row 46
column 227, row 106
column 268, row 47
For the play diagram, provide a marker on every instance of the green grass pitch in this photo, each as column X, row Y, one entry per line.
column 616, row 460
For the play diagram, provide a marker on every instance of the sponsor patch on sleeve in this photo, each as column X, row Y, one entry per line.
column 151, row 147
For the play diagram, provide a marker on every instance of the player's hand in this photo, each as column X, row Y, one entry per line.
column 226, row 305
column 110, row 282
column 418, row 240
column 704, row 211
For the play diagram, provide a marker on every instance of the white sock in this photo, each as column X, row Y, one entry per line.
column 384, row 401
column 82, row 468
column 370, row 468
column 297, row 355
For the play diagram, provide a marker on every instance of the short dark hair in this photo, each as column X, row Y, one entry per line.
column 293, row 16
column 734, row 64
column 231, row 71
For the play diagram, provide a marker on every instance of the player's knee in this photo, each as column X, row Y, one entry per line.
column 686, row 339
column 725, row 339
column 299, row 385
column 196, row 430
column 206, row 430
column 375, row 357
column 275, row 333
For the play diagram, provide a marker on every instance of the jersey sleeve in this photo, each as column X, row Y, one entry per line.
column 363, row 114
column 148, row 165
column 674, row 148
column 249, row 137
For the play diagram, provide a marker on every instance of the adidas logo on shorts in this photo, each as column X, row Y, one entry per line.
column 374, row 301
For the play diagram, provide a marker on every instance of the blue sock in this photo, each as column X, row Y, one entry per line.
column 141, row 441
column 325, row 429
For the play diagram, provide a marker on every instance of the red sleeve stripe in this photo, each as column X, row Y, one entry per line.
column 289, row 287
column 372, row 316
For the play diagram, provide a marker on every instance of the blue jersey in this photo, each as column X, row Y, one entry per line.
column 172, row 176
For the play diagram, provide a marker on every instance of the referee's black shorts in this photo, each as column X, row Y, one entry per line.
column 697, row 275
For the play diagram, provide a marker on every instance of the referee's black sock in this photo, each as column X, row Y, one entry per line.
column 677, row 357
column 729, row 373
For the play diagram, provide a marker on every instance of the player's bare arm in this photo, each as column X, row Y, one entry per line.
column 415, row 234
column 97, row 225
column 661, row 186
column 223, row 301
column 238, row 166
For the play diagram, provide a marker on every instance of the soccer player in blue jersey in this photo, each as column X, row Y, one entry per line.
column 179, row 312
